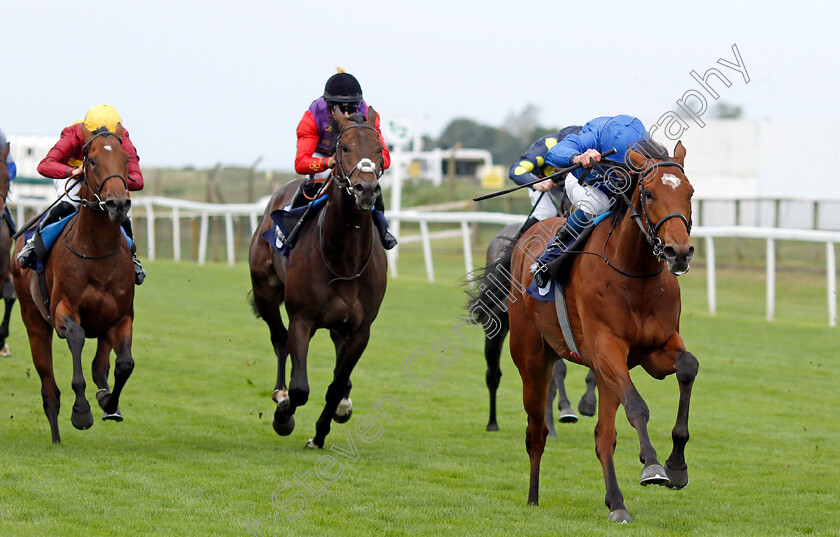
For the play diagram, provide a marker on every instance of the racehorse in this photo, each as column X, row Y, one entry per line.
column 87, row 289
column 496, row 330
column 624, row 310
column 334, row 278
column 7, row 290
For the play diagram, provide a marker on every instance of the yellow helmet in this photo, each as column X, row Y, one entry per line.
column 102, row 116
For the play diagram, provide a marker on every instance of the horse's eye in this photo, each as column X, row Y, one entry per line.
column 93, row 162
column 648, row 195
column 344, row 148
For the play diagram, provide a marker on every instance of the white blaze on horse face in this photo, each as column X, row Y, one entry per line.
column 671, row 180
column 108, row 147
column 366, row 166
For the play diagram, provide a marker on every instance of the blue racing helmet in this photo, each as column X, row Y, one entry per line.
column 621, row 133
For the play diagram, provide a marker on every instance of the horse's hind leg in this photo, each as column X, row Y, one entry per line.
column 588, row 402
column 266, row 300
column 492, row 355
column 565, row 414
column 81, row 417
column 675, row 466
column 345, row 407
column 99, row 369
column 351, row 349
column 120, row 339
column 40, row 344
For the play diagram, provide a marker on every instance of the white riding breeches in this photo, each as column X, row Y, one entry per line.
column 74, row 185
column 543, row 208
column 587, row 198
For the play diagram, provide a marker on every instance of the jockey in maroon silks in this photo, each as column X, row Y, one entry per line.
column 63, row 164
column 317, row 136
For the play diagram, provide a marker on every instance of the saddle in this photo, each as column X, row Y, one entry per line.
column 289, row 221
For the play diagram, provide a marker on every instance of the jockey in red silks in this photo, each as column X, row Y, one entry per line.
column 317, row 136
column 63, row 164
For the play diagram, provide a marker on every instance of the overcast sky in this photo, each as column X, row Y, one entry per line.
column 198, row 83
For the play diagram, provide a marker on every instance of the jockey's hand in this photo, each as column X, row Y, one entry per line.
column 331, row 162
column 586, row 158
column 77, row 171
column 544, row 186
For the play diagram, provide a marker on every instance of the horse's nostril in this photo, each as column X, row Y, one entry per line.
column 377, row 190
column 127, row 204
column 690, row 252
column 669, row 252
column 358, row 188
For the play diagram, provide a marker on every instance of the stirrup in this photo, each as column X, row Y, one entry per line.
column 26, row 256
column 388, row 240
column 139, row 273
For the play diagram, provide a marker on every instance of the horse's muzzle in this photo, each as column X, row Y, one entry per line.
column 118, row 209
column 366, row 194
column 678, row 258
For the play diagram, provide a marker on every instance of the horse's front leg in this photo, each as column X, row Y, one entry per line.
column 9, row 298
column 67, row 327
column 100, row 368
column 588, row 401
column 345, row 407
column 40, row 344
column 348, row 350
column 300, row 332
column 605, row 451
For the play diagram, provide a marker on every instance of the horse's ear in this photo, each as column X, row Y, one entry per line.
column 636, row 160
column 679, row 153
column 337, row 115
column 119, row 131
column 372, row 116
column 86, row 134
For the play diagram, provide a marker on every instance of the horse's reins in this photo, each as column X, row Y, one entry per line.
column 345, row 182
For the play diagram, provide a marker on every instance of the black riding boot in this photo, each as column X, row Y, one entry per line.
column 388, row 240
column 565, row 236
column 26, row 256
column 139, row 273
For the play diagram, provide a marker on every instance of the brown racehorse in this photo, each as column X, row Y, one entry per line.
column 7, row 290
column 624, row 310
column 89, row 287
column 334, row 278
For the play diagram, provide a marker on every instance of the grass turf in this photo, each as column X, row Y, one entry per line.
column 197, row 455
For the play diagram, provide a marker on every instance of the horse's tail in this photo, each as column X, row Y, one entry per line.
column 253, row 304
column 487, row 300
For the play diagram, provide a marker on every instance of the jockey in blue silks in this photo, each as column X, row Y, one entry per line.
column 595, row 197
column 10, row 163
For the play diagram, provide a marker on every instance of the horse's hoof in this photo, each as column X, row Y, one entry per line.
column 283, row 426
column 587, row 406
column 566, row 415
column 344, row 411
column 114, row 416
column 5, row 351
column 81, row 420
column 620, row 515
column 654, row 475
column 678, row 478
column 310, row 444
column 493, row 426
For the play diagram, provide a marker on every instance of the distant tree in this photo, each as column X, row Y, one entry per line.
column 724, row 110
column 522, row 124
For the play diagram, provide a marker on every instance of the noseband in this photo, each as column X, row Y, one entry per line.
column 99, row 205
column 365, row 165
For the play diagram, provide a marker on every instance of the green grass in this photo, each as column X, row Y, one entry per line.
column 196, row 454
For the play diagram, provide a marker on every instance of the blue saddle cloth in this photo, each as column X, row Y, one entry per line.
column 284, row 222
column 546, row 294
column 50, row 234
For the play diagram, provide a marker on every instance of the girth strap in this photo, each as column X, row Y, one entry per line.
column 565, row 325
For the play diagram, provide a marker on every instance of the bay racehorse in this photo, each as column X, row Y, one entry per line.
column 88, row 287
column 334, row 278
column 7, row 290
column 496, row 278
column 624, row 310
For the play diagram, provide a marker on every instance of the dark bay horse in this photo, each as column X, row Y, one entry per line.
column 7, row 290
column 334, row 278
column 497, row 274
column 624, row 310
column 89, row 283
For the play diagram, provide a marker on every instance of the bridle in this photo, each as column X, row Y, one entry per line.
column 98, row 205
column 365, row 165
column 649, row 229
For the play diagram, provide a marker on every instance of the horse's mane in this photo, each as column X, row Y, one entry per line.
column 649, row 149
